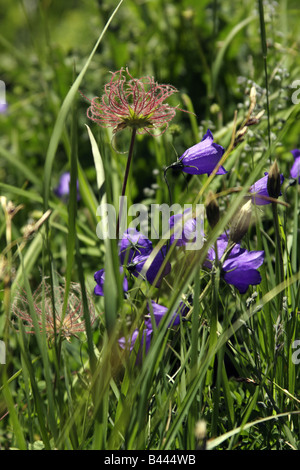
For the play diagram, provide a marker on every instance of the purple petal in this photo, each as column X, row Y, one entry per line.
column 3, row 108
column 242, row 278
column 260, row 188
column 295, row 170
column 99, row 277
column 145, row 342
column 63, row 188
column 203, row 157
column 296, row 153
column 153, row 269
column 133, row 243
column 159, row 311
column 185, row 234
column 240, row 266
column 245, row 260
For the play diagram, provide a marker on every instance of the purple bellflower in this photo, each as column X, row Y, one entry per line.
column 240, row 267
column 134, row 251
column 260, row 190
column 186, row 233
column 137, row 264
column 144, row 338
column 132, row 244
column 99, row 277
column 63, row 188
column 295, row 170
column 186, row 229
column 158, row 312
column 201, row 158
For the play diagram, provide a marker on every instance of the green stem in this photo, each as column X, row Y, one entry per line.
column 130, row 153
column 264, row 53
column 279, row 258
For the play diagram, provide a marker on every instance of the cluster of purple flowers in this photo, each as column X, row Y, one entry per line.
column 134, row 250
column 240, row 268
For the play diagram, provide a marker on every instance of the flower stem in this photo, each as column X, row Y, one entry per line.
column 279, row 258
column 130, row 153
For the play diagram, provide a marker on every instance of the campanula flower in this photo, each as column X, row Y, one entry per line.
column 159, row 311
column 135, row 103
column 186, row 229
column 259, row 190
column 145, row 341
column 145, row 336
column 99, row 277
column 136, row 267
column 133, row 243
column 295, row 170
column 182, row 234
column 201, row 158
column 240, row 267
column 135, row 249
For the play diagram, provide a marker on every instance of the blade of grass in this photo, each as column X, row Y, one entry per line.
column 212, row 444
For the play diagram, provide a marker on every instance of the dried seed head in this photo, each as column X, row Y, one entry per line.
column 50, row 314
column 135, row 103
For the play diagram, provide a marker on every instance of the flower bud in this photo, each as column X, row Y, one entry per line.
column 212, row 209
column 241, row 223
column 274, row 181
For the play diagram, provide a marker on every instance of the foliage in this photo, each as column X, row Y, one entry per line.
column 233, row 364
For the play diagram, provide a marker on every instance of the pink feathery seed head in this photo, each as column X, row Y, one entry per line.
column 135, row 103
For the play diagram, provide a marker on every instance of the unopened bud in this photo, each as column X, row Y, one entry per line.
column 241, row 223
column 200, row 429
column 212, row 209
column 274, row 181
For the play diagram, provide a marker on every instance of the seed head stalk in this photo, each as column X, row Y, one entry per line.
column 129, row 159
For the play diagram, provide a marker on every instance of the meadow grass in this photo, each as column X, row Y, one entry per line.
column 231, row 368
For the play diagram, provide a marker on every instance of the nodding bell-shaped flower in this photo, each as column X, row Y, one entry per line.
column 260, row 192
column 202, row 158
column 295, row 170
column 240, row 267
